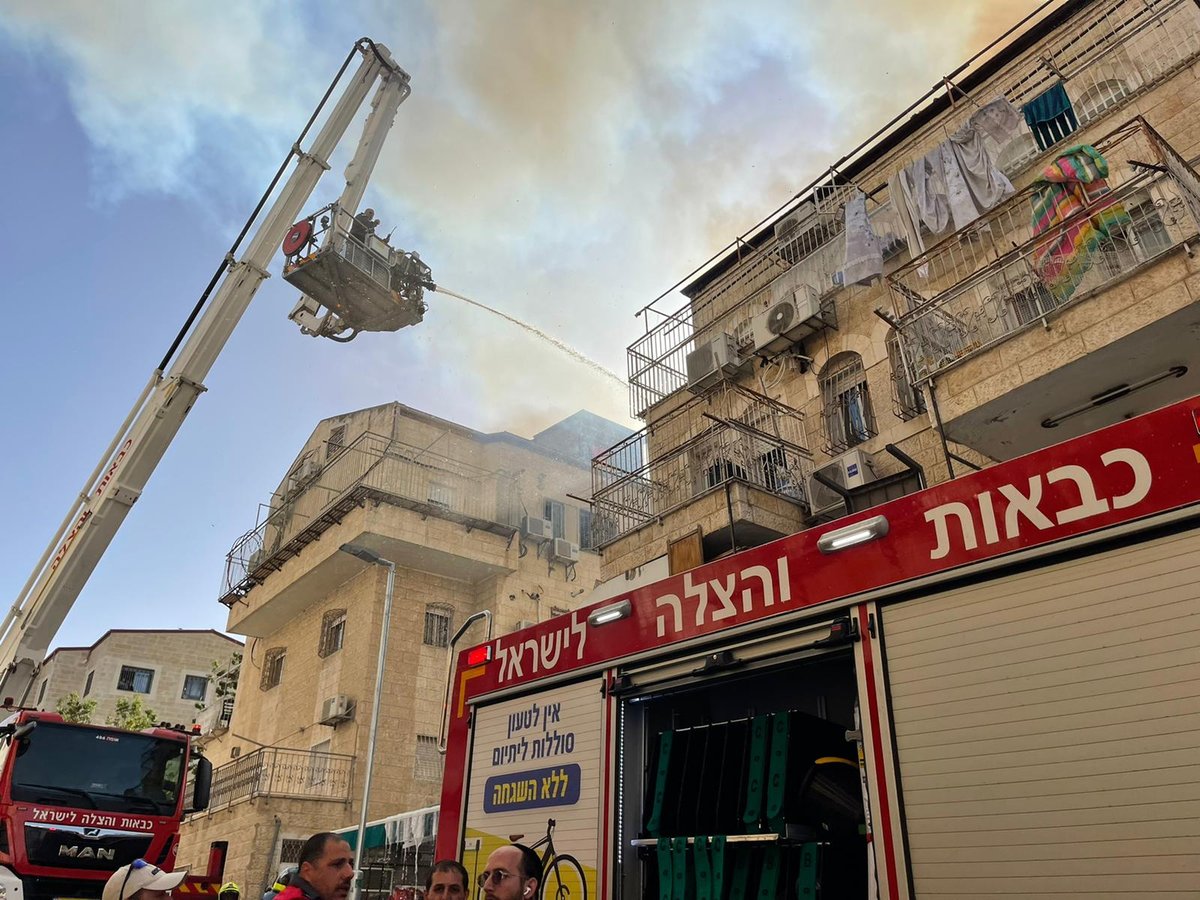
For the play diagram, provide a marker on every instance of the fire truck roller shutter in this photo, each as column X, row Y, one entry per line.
column 1046, row 727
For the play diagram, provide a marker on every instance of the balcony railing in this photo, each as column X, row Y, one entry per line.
column 732, row 434
column 1001, row 275
column 278, row 772
column 372, row 467
column 1107, row 54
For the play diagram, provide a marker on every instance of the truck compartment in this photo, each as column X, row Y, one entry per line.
column 744, row 785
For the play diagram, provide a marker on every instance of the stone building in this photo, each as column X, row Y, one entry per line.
column 776, row 395
column 168, row 669
column 474, row 522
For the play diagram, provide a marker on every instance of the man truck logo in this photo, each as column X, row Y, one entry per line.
column 77, row 852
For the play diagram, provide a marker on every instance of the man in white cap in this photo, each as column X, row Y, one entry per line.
column 143, row 881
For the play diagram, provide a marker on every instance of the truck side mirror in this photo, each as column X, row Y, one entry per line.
column 202, row 784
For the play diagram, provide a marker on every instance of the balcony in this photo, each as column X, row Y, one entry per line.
column 1028, row 331
column 278, row 772
column 381, row 471
column 215, row 718
column 733, row 435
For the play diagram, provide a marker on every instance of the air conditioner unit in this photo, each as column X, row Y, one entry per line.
column 565, row 551
column 790, row 319
column 537, row 530
column 789, row 226
column 310, row 469
column 336, row 709
column 712, row 362
column 850, row 470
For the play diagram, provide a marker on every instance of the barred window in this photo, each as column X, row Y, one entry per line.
column 195, row 687
column 289, row 850
column 333, row 632
column 135, row 679
column 428, row 765
column 337, row 440
column 585, row 529
column 849, row 419
column 272, row 669
column 437, row 624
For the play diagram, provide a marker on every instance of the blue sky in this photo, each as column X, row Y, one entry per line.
column 563, row 162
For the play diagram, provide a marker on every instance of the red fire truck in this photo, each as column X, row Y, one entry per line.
column 987, row 688
column 79, row 801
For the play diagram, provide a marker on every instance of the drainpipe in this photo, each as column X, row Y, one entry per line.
column 733, row 545
column 272, row 857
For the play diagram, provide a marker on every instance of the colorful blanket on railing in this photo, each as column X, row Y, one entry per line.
column 1073, row 206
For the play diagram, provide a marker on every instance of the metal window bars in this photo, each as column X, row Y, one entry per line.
column 333, row 632
column 846, row 403
column 272, row 668
column 996, row 277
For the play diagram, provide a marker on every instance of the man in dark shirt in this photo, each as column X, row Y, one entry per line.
column 326, row 870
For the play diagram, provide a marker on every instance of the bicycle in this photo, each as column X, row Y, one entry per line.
column 562, row 871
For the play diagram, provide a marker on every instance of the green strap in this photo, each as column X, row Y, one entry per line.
column 717, row 855
column 777, row 780
column 666, row 741
column 768, row 881
column 806, row 880
column 741, row 872
column 752, row 814
column 703, row 862
column 666, row 880
column 679, row 867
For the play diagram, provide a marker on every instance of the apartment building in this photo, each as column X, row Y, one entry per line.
column 475, row 523
column 168, row 669
column 874, row 337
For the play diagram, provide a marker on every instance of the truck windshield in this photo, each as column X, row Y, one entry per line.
column 92, row 768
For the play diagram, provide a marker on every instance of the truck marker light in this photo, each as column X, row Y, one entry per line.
column 858, row 533
column 477, row 656
column 610, row 613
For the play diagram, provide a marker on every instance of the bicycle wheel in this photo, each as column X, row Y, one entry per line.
column 564, row 880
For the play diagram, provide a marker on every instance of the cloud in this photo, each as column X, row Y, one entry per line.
column 563, row 162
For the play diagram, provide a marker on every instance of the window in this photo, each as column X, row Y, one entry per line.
column 585, row 529
column 134, row 679
column 337, row 440
column 556, row 514
column 775, row 474
column 333, row 632
column 437, row 625
column 907, row 401
column 195, row 687
column 87, row 685
column 272, row 668
column 722, row 470
column 1098, row 100
column 847, row 402
column 41, row 694
column 428, row 766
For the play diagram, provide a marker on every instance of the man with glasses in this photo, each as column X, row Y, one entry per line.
column 513, row 873
column 142, row 880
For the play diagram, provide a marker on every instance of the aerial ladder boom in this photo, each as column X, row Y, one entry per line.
column 118, row 481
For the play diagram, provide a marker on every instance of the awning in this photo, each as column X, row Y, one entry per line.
column 406, row 829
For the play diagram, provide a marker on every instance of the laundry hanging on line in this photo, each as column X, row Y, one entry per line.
column 864, row 249
column 1073, row 189
column 1050, row 116
column 998, row 120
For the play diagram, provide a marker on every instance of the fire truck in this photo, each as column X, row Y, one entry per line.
column 990, row 687
column 76, row 801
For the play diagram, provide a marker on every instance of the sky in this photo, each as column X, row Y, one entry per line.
column 565, row 162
